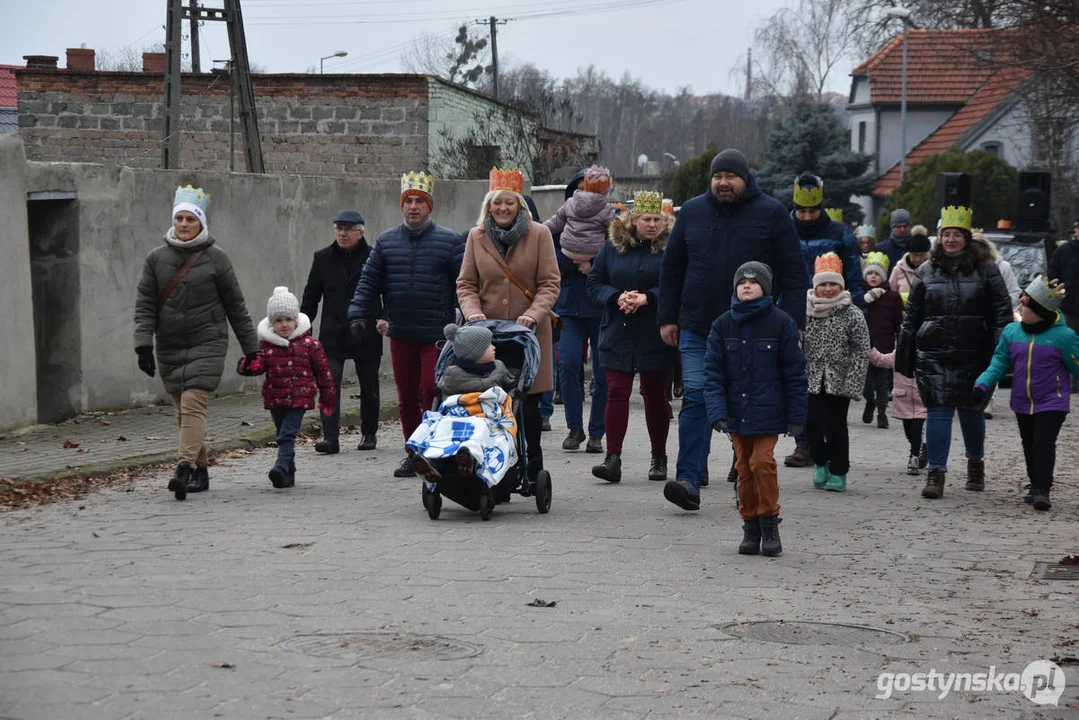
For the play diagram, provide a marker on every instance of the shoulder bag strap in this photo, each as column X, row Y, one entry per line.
column 191, row 260
column 515, row 281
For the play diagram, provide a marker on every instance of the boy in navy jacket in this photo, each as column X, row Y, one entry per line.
column 755, row 389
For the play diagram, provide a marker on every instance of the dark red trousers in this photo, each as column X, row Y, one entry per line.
column 414, row 374
column 656, row 413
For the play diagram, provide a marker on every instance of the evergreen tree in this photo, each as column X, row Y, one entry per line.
column 994, row 185
column 811, row 139
column 692, row 177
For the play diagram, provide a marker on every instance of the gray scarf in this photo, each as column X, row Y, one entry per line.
column 505, row 238
column 414, row 231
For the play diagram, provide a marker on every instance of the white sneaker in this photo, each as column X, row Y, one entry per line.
column 913, row 466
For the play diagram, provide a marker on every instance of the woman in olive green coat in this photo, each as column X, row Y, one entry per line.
column 187, row 292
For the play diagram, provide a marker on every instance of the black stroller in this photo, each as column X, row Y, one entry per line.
column 517, row 347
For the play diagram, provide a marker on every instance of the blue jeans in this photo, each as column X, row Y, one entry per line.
column 694, row 432
column 288, row 422
column 570, row 369
column 546, row 404
column 938, row 434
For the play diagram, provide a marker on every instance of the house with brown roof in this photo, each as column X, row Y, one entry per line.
column 961, row 92
column 9, row 100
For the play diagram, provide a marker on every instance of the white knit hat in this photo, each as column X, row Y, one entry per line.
column 282, row 304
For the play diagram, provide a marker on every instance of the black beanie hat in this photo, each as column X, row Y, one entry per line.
column 732, row 161
column 918, row 244
column 1040, row 310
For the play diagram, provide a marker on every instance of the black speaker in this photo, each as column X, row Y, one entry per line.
column 953, row 189
column 1033, row 210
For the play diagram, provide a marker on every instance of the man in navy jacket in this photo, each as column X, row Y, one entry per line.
column 411, row 272
column 731, row 224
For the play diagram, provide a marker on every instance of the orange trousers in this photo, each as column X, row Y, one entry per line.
column 758, row 481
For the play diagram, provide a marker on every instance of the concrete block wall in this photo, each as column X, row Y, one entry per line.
column 18, row 401
column 269, row 225
column 369, row 125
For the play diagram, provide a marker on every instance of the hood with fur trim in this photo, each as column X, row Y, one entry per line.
column 265, row 331
column 622, row 237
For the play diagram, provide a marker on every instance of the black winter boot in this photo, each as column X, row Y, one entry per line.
column 770, row 544
column 179, row 481
column 975, row 475
column 751, row 537
column 657, row 471
column 200, row 480
column 327, row 447
column 610, row 469
column 867, row 414
column 882, row 417
column 934, row 484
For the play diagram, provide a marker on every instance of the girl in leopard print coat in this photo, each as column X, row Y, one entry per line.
column 836, row 346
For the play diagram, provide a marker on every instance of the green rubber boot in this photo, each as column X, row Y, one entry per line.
column 836, row 483
column 820, row 475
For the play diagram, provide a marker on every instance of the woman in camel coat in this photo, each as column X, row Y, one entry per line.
column 506, row 237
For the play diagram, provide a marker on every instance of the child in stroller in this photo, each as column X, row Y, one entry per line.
column 471, row 448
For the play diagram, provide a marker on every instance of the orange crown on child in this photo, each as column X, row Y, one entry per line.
column 828, row 262
column 510, row 180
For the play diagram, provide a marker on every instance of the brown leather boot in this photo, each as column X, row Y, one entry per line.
column 975, row 474
column 799, row 458
column 934, row 484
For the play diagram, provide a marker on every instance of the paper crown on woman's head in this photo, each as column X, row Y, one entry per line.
column 956, row 216
column 192, row 196
column 808, row 191
column 504, row 179
column 647, row 202
column 835, row 214
column 866, row 231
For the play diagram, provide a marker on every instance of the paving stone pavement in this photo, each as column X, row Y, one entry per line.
column 99, row 442
column 132, row 605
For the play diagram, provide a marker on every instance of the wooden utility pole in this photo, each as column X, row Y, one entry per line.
column 494, row 53
column 241, row 70
column 196, row 64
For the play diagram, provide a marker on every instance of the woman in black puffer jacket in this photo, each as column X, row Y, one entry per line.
column 957, row 308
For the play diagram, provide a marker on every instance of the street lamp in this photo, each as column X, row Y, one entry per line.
column 673, row 159
column 339, row 53
column 902, row 13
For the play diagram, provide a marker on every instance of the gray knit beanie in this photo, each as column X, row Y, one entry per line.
column 899, row 217
column 282, row 304
column 469, row 342
column 732, row 161
column 758, row 272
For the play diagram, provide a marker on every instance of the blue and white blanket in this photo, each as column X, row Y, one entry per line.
column 481, row 423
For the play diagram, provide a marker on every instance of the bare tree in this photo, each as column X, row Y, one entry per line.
column 429, row 54
column 801, row 46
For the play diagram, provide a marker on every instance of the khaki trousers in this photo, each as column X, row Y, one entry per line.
column 191, row 417
column 758, row 481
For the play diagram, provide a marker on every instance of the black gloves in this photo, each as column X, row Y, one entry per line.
column 795, row 429
column 720, row 426
column 357, row 327
column 146, row 359
column 979, row 396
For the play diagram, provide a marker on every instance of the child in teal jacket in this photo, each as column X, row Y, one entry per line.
column 1043, row 354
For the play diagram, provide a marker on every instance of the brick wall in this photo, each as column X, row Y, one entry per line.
column 369, row 125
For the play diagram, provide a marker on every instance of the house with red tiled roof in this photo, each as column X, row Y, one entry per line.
column 961, row 92
column 9, row 102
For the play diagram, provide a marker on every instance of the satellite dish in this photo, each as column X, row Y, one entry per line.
column 641, row 160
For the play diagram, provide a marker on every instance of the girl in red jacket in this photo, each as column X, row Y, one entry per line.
column 296, row 368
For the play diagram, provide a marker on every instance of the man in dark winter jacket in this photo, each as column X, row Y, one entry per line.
column 1064, row 266
column 731, row 224
column 412, row 273
column 895, row 247
column 819, row 235
column 335, row 272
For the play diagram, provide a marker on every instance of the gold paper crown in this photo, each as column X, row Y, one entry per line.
column 835, row 213
column 418, row 181
column 878, row 258
column 647, row 202
column 511, row 180
column 956, row 216
column 808, row 197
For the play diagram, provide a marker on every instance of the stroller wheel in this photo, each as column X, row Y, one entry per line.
column 543, row 492
column 486, row 506
column 432, row 501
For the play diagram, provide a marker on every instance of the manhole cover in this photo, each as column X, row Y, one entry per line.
column 813, row 633
column 364, row 646
column 1057, row 571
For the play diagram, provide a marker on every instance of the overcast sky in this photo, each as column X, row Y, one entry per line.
column 666, row 43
